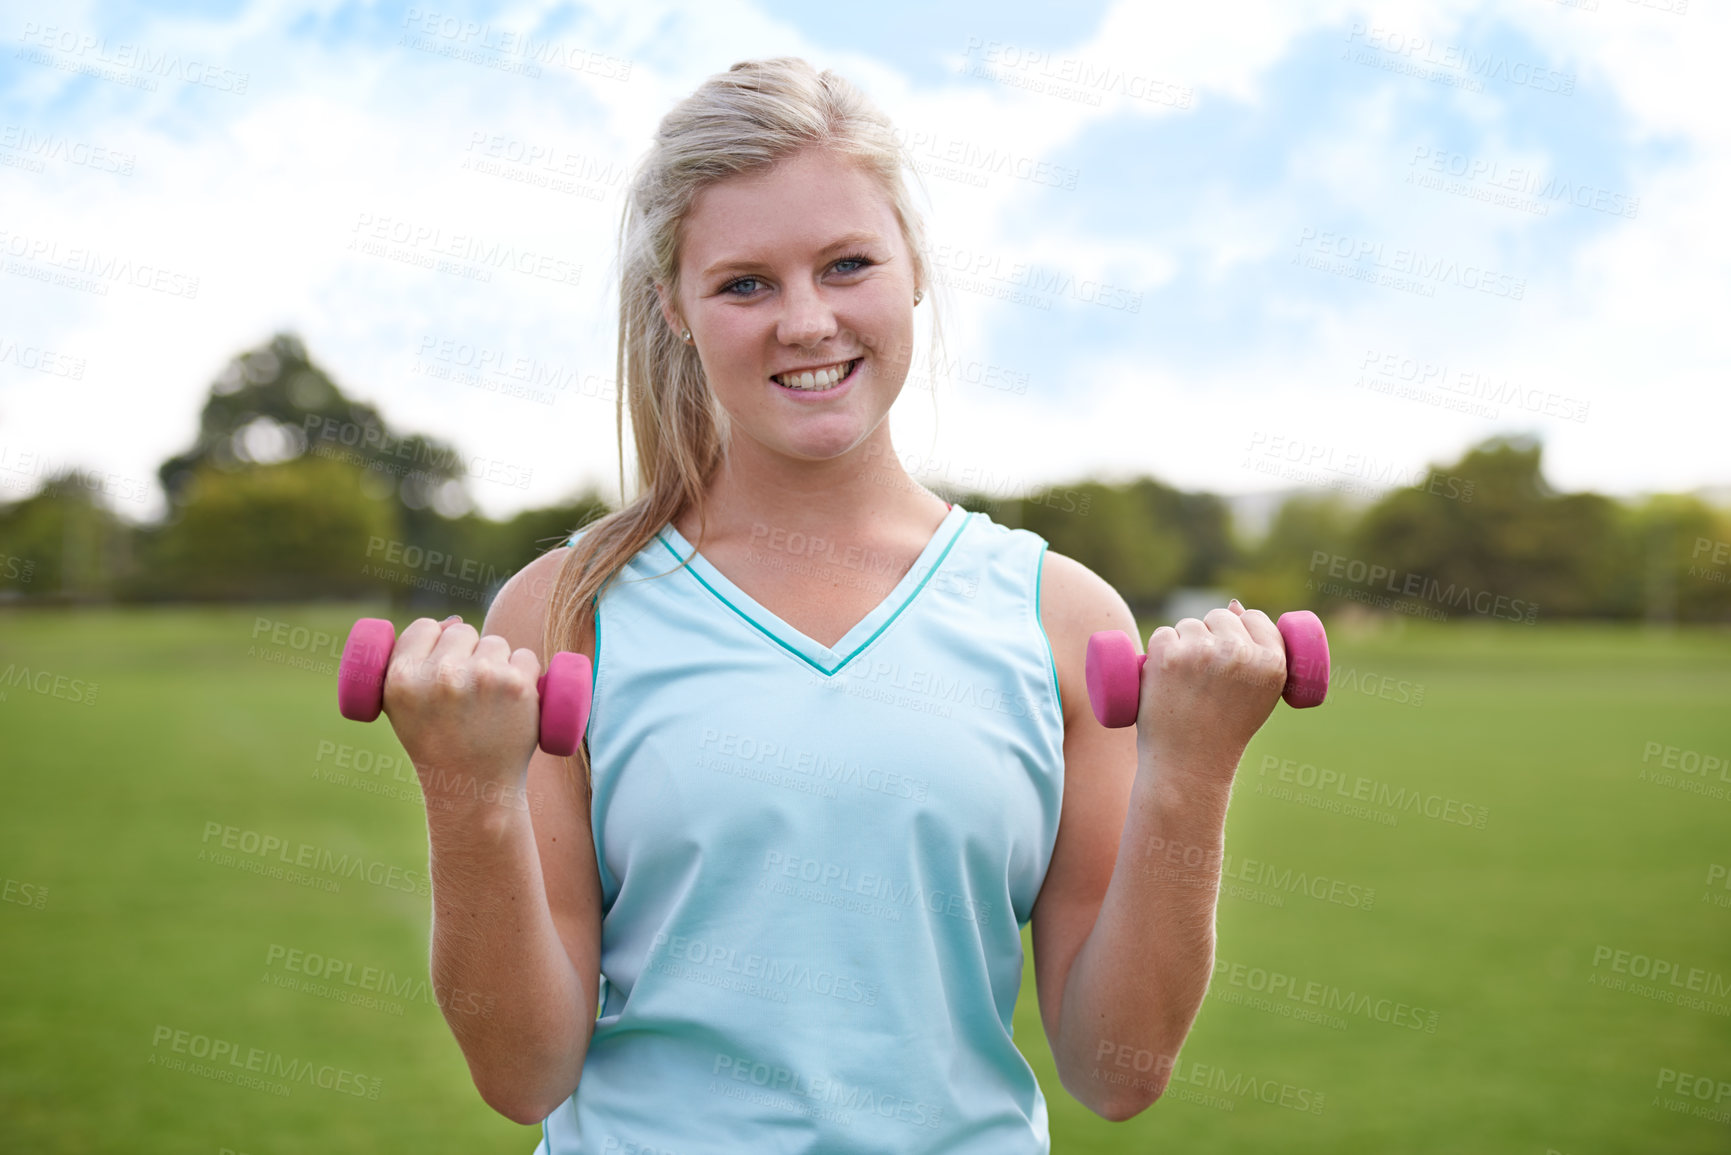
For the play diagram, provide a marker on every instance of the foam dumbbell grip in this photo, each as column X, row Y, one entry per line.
column 1114, row 669
column 564, row 688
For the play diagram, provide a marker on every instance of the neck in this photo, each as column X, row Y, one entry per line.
column 863, row 493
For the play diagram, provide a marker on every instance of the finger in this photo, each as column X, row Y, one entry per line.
column 1191, row 628
column 1228, row 630
column 494, row 650
column 526, row 660
column 1264, row 631
column 456, row 643
column 1162, row 636
column 1235, row 607
column 416, row 641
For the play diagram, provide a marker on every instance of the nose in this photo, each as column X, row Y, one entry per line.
column 806, row 318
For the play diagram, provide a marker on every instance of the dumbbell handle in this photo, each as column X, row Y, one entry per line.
column 564, row 689
column 1114, row 669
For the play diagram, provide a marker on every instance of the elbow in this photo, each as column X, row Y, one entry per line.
column 1123, row 1108
column 518, row 1108
column 1120, row 1096
column 519, row 1104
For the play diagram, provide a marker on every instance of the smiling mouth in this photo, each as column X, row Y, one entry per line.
column 816, row 381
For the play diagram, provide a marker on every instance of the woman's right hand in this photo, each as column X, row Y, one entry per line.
column 466, row 709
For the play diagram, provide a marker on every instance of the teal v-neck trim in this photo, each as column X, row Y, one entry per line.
column 824, row 659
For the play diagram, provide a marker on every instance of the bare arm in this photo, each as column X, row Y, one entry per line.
column 516, row 895
column 1123, row 930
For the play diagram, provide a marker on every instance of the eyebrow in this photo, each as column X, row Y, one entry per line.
column 845, row 241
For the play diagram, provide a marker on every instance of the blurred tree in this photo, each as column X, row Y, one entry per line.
column 1275, row 575
column 297, row 529
column 62, row 540
column 1499, row 528
column 1680, row 561
column 1144, row 538
column 273, row 404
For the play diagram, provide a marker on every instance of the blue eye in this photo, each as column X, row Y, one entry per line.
column 859, row 259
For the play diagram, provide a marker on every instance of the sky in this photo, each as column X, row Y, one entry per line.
column 1236, row 246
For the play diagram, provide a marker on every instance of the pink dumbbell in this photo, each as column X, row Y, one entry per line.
column 1114, row 669
column 564, row 688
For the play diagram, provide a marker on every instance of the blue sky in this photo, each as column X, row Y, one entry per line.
column 1271, row 244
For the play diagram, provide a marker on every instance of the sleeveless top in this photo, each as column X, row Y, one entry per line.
column 816, row 862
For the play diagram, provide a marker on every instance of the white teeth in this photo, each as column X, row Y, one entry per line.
column 818, row 380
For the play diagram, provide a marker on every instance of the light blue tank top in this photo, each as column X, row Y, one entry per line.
column 816, row 862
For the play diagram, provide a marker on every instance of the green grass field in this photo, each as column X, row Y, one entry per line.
column 1478, row 1002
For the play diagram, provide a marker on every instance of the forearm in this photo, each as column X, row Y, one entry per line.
column 1138, row 980
column 515, row 1003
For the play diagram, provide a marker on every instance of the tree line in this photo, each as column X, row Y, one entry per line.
column 293, row 491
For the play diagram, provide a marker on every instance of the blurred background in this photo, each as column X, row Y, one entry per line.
column 1410, row 314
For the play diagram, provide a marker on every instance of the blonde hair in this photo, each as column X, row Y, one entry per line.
column 743, row 120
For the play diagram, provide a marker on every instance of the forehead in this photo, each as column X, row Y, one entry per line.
column 799, row 206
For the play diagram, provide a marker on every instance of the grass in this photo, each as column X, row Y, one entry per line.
column 115, row 930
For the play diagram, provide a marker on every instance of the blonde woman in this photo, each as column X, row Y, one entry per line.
column 840, row 750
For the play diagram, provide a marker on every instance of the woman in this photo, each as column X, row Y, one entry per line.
column 775, row 903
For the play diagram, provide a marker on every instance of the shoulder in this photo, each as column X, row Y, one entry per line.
column 519, row 610
column 1074, row 598
column 1075, row 603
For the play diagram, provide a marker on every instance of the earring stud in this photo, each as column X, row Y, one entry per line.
column 685, row 335
column 919, row 295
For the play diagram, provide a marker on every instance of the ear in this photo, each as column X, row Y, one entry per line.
column 667, row 313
